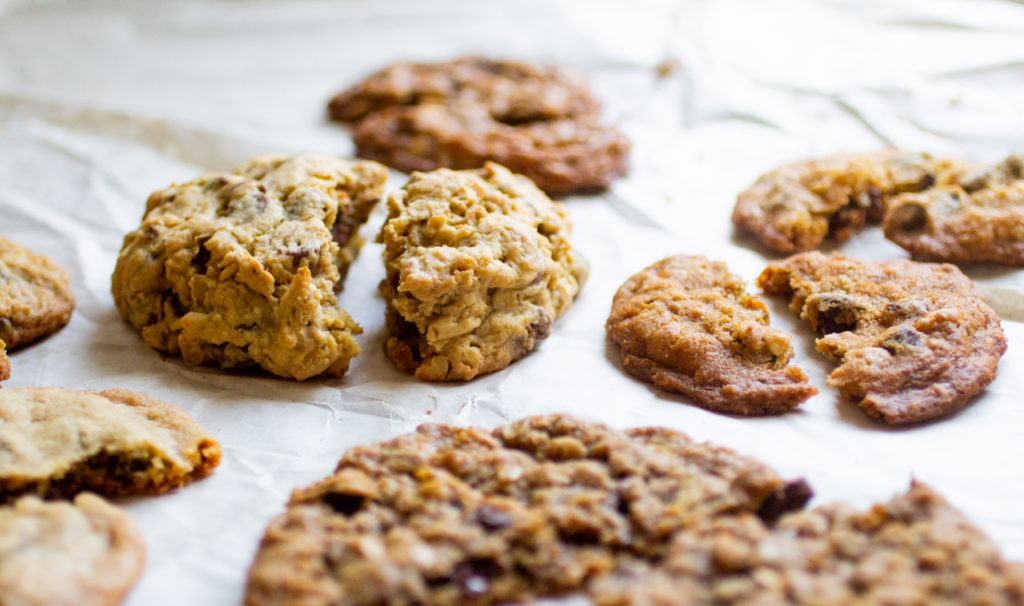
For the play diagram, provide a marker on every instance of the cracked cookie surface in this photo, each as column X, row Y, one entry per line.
column 35, row 295
column 540, row 507
column 55, row 443
column 240, row 269
column 85, row 553
column 478, row 268
column 688, row 325
column 799, row 206
column 913, row 340
column 978, row 219
column 539, row 121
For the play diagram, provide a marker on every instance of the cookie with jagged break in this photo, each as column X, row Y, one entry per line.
column 478, row 268
column 85, row 553
column 913, row 340
column 800, row 206
column 35, row 295
column 55, row 443
column 978, row 219
column 688, row 325
column 240, row 269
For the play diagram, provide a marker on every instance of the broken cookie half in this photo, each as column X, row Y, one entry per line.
column 688, row 325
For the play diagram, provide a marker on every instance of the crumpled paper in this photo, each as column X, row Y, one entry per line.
column 101, row 104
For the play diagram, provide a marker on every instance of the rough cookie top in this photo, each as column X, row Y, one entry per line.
column 686, row 324
column 479, row 267
column 55, row 443
column 240, row 269
column 913, row 340
column 35, row 295
column 540, row 507
column 88, row 553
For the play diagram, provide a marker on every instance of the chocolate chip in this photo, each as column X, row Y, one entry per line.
column 909, row 217
column 926, row 181
column 901, row 338
column 345, row 504
column 299, row 255
column 202, row 256
column 492, row 518
column 833, row 312
column 541, row 328
column 473, row 577
column 794, row 495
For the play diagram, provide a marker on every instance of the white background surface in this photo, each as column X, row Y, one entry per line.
column 100, row 104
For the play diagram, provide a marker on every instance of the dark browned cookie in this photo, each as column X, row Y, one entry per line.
column 541, row 507
column 913, row 340
column 979, row 219
column 35, row 295
column 686, row 324
column 801, row 205
column 539, row 121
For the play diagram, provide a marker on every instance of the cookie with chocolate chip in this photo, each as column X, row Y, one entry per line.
column 913, row 340
column 687, row 324
column 35, row 295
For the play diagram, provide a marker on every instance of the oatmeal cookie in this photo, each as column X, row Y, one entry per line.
column 86, row 553
column 913, row 340
column 801, row 205
column 979, row 219
column 240, row 269
column 478, row 267
column 538, row 121
column 540, row 507
column 55, row 443
column 35, row 295
column 5, row 363
column 686, row 324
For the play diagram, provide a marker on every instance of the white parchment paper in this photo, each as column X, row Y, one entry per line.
column 102, row 103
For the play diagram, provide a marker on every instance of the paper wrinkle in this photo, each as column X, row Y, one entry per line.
column 101, row 106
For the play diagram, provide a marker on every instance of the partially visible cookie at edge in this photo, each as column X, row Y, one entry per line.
column 5, row 363
column 913, row 340
column 240, row 269
column 478, row 269
column 55, row 443
column 688, row 325
column 85, row 553
column 35, row 295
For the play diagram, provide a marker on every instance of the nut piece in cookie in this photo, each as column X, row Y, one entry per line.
column 539, row 121
column 5, row 363
column 35, row 295
column 55, row 443
column 86, row 553
column 686, row 324
column 913, row 340
column 478, row 268
column 541, row 507
column 801, row 205
column 240, row 269
column 979, row 219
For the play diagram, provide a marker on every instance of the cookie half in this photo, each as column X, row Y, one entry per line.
column 688, row 325
column 35, row 295
column 913, row 340
column 541, row 507
column 55, row 443
column 86, row 553
column 240, row 269
column 478, row 268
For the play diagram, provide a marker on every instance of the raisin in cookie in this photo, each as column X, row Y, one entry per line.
column 913, row 340
column 240, row 269
column 979, row 219
column 686, row 324
column 801, row 205
column 539, row 121
column 541, row 507
column 86, row 553
column 35, row 295
column 478, row 266
column 55, row 443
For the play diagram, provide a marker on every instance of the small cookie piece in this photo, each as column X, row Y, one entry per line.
column 478, row 266
column 541, row 507
column 89, row 553
column 35, row 295
column 5, row 363
column 913, row 340
column 55, row 443
column 798, row 206
column 980, row 219
column 686, row 324
column 538, row 121
column 240, row 269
